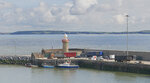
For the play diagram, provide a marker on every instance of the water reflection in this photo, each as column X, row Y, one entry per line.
column 21, row 74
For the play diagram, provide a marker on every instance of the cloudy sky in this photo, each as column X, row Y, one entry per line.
column 74, row 15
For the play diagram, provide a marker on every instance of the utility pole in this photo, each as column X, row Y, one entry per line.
column 127, row 16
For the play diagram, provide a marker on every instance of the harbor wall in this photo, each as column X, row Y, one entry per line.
column 93, row 64
column 115, row 66
column 101, row 65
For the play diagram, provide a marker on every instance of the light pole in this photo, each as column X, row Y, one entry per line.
column 127, row 34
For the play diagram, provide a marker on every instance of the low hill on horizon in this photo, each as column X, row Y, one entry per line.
column 73, row 32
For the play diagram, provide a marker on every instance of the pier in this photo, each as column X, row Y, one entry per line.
column 115, row 66
column 141, row 65
column 83, row 63
column 102, row 65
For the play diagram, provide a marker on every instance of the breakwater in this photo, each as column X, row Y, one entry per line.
column 20, row 60
column 93, row 64
column 103, row 65
column 115, row 66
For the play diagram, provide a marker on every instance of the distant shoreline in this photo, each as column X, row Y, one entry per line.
column 71, row 32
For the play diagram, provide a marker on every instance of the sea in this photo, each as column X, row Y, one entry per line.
column 11, row 45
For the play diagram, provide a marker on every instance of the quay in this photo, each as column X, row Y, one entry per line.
column 115, row 66
column 83, row 62
column 102, row 65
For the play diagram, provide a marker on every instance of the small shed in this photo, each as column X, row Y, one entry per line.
column 35, row 56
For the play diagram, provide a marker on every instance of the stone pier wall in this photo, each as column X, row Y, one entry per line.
column 115, row 66
column 101, row 65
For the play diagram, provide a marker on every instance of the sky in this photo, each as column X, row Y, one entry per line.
column 74, row 15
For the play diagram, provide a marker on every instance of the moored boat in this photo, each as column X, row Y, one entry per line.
column 67, row 65
column 47, row 66
column 30, row 65
column 44, row 65
column 34, row 66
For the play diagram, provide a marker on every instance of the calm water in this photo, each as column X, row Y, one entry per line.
column 20, row 74
column 25, row 44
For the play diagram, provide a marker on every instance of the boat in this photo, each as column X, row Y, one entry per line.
column 34, row 66
column 30, row 65
column 47, row 66
column 67, row 65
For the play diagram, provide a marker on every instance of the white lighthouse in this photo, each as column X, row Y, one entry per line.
column 65, row 42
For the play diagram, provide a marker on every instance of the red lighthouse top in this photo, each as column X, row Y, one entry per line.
column 65, row 38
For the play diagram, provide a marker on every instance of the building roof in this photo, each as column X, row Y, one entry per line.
column 51, row 50
column 59, row 50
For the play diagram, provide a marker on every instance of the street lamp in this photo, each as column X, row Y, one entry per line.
column 127, row 34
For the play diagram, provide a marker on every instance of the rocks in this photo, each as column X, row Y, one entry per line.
column 15, row 59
